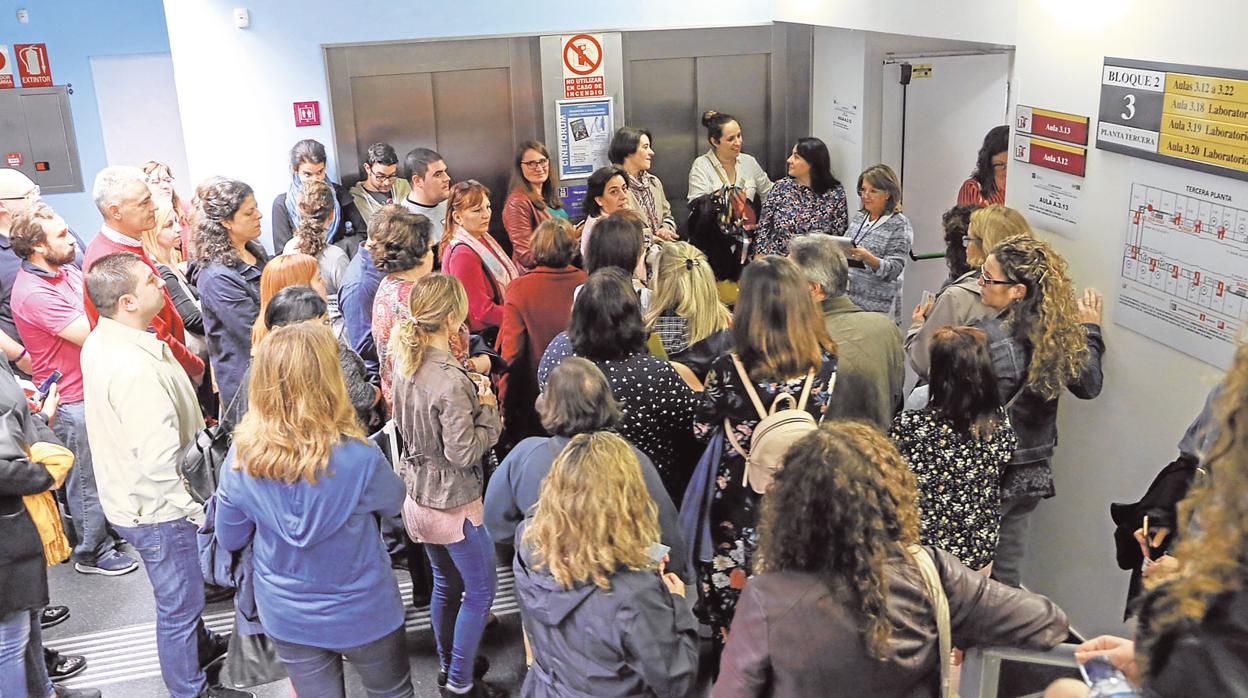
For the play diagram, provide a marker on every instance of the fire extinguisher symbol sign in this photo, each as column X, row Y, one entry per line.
column 32, row 64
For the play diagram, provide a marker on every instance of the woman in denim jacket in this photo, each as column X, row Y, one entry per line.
column 1043, row 339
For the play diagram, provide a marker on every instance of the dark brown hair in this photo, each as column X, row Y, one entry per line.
column 616, row 242
column 577, row 400
column 778, row 329
column 550, row 188
column 606, row 317
column 963, row 383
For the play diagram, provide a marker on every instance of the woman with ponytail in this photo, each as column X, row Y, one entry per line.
column 449, row 421
column 1043, row 339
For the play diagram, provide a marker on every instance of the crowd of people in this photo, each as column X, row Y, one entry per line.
column 657, row 433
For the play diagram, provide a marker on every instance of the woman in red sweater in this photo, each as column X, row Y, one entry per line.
column 476, row 259
column 538, row 307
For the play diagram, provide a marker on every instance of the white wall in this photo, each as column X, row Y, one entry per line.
column 987, row 21
column 236, row 86
column 838, row 75
column 1113, row 446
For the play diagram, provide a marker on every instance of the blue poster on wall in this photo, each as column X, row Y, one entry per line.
column 585, row 130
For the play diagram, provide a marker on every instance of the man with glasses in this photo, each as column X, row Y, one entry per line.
column 381, row 184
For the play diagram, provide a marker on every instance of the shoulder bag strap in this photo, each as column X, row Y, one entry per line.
column 940, row 603
column 810, row 381
column 714, row 167
column 749, row 387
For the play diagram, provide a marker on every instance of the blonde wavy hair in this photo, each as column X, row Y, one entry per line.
column 1214, row 555
column 164, row 213
column 298, row 408
column 992, row 224
column 594, row 514
column 434, row 298
column 1047, row 317
column 685, row 285
column 842, row 506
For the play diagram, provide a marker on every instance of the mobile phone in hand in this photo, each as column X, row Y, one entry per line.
column 658, row 551
column 42, row 391
column 1106, row 680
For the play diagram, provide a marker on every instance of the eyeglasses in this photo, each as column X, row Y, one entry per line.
column 383, row 177
column 999, row 165
column 988, row 280
column 870, row 192
column 32, row 196
column 540, row 164
column 967, row 240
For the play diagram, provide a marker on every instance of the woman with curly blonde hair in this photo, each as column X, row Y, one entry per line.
column 315, row 204
column 685, row 308
column 602, row 615
column 839, row 600
column 305, row 489
column 958, row 303
column 1193, row 626
column 1043, row 339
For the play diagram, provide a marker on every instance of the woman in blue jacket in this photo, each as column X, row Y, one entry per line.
column 227, row 224
column 305, row 487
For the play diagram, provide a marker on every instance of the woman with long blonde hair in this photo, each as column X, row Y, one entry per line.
column 1043, row 339
column 839, row 597
column 685, row 308
column 161, row 244
column 305, row 489
column 958, row 303
column 449, row 422
column 602, row 615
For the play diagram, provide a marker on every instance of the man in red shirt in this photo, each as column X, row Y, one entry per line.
column 122, row 196
column 47, row 304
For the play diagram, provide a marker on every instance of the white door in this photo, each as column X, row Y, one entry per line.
column 139, row 113
column 947, row 115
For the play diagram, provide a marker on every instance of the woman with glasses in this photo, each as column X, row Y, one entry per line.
column 958, row 303
column 881, row 236
column 533, row 199
column 476, row 259
column 1043, row 339
column 986, row 185
column 809, row 200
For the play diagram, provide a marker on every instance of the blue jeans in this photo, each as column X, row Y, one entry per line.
column 170, row 555
column 81, row 492
column 382, row 665
column 22, row 671
column 462, row 569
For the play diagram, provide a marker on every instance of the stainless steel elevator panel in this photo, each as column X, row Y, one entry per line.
column 739, row 85
column 475, row 128
column 665, row 107
column 396, row 109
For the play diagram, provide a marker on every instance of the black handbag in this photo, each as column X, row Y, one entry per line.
column 252, row 661
column 199, row 465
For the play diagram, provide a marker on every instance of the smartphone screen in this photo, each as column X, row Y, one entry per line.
column 658, row 551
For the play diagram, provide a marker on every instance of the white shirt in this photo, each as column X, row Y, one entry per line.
column 119, row 237
column 141, row 414
column 708, row 175
column 436, row 215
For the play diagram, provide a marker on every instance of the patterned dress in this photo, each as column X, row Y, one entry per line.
column 791, row 210
column 958, row 477
column 734, row 506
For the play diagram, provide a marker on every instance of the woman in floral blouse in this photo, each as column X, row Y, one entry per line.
column 957, row 447
column 809, row 200
column 775, row 311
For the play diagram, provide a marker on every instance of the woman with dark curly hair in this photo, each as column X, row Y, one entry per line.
column 316, row 205
column 839, row 599
column 1044, row 340
column 986, row 185
column 227, row 225
column 955, row 223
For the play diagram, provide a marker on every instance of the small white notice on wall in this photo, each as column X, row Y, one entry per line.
column 844, row 118
column 1053, row 198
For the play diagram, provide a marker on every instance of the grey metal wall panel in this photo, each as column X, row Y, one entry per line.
column 474, row 127
column 739, row 85
column 661, row 100
column 396, row 109
column 36, row 123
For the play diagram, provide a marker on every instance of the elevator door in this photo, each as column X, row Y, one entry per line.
column 472, row 101
column 739, row 71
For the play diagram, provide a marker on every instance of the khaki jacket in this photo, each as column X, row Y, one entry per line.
column 367, row 205
column 446, row 431
column 958, row 304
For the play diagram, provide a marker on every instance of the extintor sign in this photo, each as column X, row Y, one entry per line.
column 32, row 64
